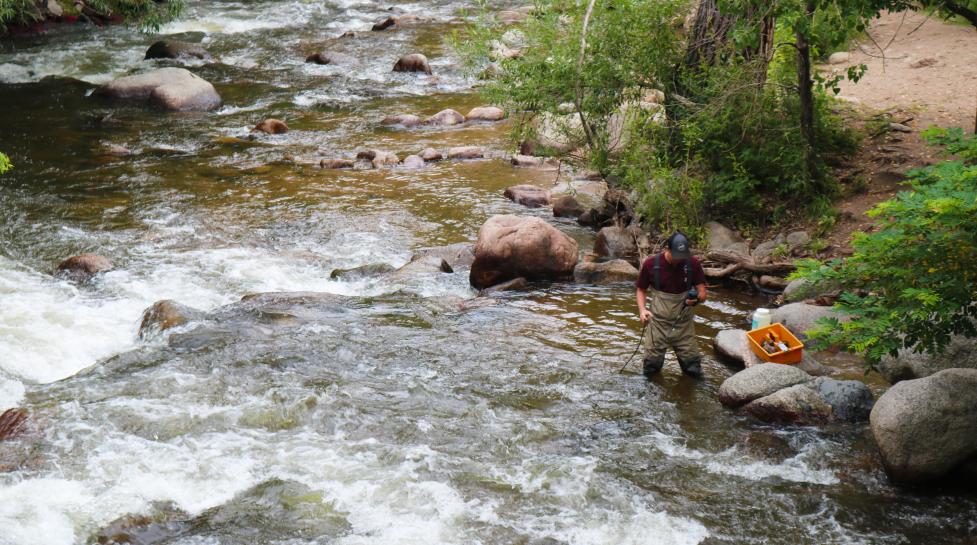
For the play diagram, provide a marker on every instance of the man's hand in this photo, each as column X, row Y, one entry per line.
column 645, row 315
column 692, row 302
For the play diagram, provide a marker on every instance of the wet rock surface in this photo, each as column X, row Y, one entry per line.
column 530, row 196
column 927, row 427
column 607, row 272
column 83, row 267
column 510, row 247
column 172, row 49
column 174, row 89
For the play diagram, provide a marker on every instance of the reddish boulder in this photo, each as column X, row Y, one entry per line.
column 486, row 113
column 332, row 57
column 566, row 206
column 445, row 118
column 271, row 126
column 13, row 422
column 510, row 247
column 431, row 154
column 405, row 120
column 415, row 62
column 83, row 267
column 528, row 195
column 336, row 164
column 466, row 152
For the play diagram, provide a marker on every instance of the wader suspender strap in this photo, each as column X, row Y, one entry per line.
column 658, row 283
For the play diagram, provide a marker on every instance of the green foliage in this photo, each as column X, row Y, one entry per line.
column 149, row 15
column 911, row 282
column 5, row 163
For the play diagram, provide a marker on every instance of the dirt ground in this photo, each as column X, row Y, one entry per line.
column 922, row 72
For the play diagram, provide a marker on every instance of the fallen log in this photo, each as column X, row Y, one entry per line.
column 737, row 262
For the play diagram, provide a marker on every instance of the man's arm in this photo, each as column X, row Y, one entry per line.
column 643, row 313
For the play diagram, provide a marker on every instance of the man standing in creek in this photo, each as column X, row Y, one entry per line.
column 679, row 284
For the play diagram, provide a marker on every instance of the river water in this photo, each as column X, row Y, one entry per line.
column 408, row 411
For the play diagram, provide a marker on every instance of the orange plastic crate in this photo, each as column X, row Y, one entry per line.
column 795, row 348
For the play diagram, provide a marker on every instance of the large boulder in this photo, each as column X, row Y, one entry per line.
column 723, row 239
column 615, row 208
column 163, row 315
column 817, row 401
column 801, row 317
column 171, row 88
column 607, row 272
column 759, row 381
column 171, row 49
column 444, row 118
column 461, row 254
column 510, row 246
column 927, row 427
column 530, row 196
column 618, row 243
column 561, row 133
column 83, row 267
column 415, row 62
column 961, row 353
column 332, row 57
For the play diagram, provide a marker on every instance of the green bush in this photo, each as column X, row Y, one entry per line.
column 911, row 282
column 149, row 15
column 5, row 164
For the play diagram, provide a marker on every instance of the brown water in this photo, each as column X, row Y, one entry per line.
column 394, row 417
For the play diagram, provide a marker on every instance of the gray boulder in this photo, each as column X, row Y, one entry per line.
column 765, row 251
column 820, row 401
column 171, row 49
column 960, row 353
column 798, row 239
column 850, row 400
column 413, row 161
column 927, row 427
column 801, row 317
column 607, row 272
column 171, row 88
column 723, row 239
column 618, row 243
column 759, row 381
column 461, row 254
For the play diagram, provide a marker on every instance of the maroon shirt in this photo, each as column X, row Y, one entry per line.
column 672, row 276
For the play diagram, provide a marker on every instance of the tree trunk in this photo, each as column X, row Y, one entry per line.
column 805, row 87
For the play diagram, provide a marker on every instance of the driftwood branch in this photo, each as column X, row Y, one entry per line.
column 737, row 262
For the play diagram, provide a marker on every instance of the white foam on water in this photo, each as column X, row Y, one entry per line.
column 732, row 462
column 11, row 393
column 41, row 511
column 86, row 59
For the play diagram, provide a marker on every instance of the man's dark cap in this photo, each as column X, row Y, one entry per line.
column 679, row 246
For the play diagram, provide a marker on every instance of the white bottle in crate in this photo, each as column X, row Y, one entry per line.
column 761, row 318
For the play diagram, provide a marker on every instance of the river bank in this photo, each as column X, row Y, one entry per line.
column 384, row 413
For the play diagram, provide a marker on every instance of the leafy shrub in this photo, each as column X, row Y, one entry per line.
column 5, row 164
column 911, row 282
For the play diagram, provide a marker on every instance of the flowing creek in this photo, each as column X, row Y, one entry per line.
column 395, row 417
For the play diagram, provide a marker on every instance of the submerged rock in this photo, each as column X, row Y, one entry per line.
column 607, row 272
column 512, row 285
column 510, row 247
column 363, row 271
column 271, row 126
column 927, row 427
column 336, row 164
column 530, row 196
column 13, row 422
column 175, row 89
column 171, row 49
column 461, row 254
column 415, row 62
column 163, row 315
column 332, row 57
column 429, row 264
column 83, row 267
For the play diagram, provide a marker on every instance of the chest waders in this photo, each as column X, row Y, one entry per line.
column 671, row 325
